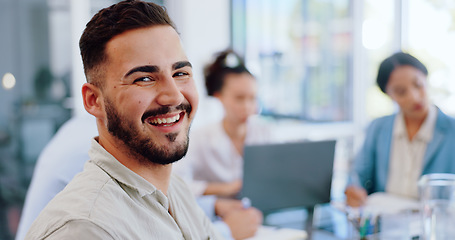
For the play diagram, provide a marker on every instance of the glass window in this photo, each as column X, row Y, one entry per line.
column 430, row 36
column 379, row 40
column 301, row 53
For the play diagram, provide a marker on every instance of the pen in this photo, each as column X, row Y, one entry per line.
column 363, row 228
column 366, row 226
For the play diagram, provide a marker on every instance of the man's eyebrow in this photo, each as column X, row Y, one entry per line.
column 181, row 64
column 146, row 68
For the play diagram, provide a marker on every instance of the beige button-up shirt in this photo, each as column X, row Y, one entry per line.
column 109, row 201
column 406, row 157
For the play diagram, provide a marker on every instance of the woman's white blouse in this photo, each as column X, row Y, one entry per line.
column 406, row 156
column 212, row 157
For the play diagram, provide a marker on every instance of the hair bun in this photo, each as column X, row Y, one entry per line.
column 226, row 62
column 231, row 60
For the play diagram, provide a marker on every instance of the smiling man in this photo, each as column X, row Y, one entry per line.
column 140, row 88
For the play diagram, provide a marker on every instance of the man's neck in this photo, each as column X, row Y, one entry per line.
column 157, row 174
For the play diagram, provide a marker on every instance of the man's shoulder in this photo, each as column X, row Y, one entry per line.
column 78, row 201
column 179, row 184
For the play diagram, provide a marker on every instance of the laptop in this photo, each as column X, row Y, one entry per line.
column 288, row 175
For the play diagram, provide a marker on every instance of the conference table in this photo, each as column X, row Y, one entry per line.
column 384, row 218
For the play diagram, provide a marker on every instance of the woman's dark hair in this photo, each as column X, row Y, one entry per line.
column 226, row 62
column 391, row 63
column 112, row 21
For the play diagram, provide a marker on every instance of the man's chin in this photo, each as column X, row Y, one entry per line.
column 165, row 154
column 160, row 160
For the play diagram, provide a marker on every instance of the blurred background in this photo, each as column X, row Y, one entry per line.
column 315, row 60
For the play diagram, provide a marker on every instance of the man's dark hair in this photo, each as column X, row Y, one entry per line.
column 226, row 62
column 391, row 63
column 112, row 21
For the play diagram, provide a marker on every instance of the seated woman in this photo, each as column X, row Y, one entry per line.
column 215, row 151
column 399, row 148
column 213, row 164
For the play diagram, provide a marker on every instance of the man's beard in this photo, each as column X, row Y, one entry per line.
column 139, row 143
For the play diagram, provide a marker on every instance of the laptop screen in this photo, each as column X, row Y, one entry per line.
column 288, row 175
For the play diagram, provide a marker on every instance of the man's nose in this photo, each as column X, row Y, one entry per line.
column 169, row 93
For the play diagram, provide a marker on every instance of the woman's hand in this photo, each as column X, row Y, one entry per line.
column 355, row 196
column 244, row 223
column 229, row 189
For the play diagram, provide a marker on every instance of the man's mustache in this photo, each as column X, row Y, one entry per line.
column 165, row 109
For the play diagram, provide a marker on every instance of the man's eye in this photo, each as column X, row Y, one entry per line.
column 180, row 74
column 143, row 79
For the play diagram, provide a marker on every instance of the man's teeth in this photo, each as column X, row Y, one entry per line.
column 165, row 120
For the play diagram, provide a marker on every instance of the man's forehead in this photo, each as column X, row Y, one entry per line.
column 157, row 45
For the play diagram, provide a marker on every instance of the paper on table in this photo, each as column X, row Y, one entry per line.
column 273, row 233
column 383, row 203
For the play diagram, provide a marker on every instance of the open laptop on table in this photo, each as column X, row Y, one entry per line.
column 288, row 175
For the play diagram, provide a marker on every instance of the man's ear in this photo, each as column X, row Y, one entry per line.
column 93, row 100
